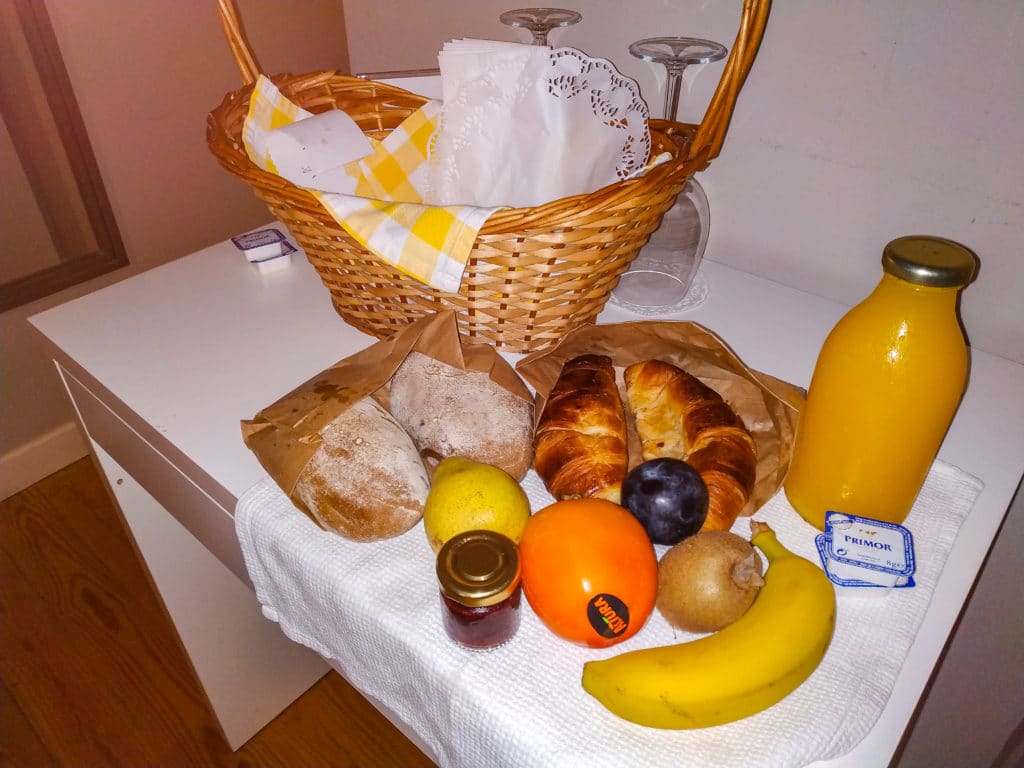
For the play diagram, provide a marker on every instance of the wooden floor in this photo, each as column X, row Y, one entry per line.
column 91, row 673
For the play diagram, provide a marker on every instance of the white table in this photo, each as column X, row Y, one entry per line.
column 163, row 366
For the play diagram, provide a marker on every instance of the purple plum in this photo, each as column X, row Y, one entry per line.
column 668, row 497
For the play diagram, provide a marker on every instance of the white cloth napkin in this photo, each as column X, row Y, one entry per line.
column 373, row 610
column 524, row 124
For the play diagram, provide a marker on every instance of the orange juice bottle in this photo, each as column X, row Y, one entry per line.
column 884, row 390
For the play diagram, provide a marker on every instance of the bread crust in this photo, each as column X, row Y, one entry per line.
column 679, row 416
column 448, row 411
column 580, row 442
column 366, row 480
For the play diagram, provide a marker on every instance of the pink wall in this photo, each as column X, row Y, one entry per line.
column 145, row 74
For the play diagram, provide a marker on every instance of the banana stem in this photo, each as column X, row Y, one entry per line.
column 764, row 539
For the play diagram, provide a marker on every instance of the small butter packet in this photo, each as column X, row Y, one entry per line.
column 854, row 583
column 261, row 244
column 277, row 262
column 859, row 549
column 873, row 544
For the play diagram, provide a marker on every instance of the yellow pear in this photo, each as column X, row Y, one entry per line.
column 466, row 495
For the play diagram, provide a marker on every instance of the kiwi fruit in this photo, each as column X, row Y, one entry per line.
column 707, row 581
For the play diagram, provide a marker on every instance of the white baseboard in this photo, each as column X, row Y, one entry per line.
column 30, row 463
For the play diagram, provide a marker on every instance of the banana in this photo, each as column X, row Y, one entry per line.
column 750, row 665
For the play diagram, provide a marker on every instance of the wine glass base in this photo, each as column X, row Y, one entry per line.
column 653, row 293
column 539, row 21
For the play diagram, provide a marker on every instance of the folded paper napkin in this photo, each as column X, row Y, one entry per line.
column 376, row 197
column 373, row 610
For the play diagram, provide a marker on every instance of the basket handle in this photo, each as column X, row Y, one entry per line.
column 707, row 143
column 240, row 48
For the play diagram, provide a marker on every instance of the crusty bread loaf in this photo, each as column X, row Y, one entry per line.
column 366, row 480
column 680, row 417
column 580, row 443
column 453, row 412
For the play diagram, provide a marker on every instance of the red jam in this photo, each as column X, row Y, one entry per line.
column 484, row 626
column 479, row 576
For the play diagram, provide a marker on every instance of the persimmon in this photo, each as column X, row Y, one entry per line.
column 590, row 571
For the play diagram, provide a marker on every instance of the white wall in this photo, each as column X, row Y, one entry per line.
column 861, row 121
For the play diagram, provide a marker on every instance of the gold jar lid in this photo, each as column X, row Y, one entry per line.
column 478, row 568
column 930, row 261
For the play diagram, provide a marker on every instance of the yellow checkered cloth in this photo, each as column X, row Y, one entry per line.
column 385, row 211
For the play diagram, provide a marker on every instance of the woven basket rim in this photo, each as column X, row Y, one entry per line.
column 507, row 219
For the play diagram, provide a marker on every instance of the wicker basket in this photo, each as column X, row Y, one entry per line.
column 534, row 273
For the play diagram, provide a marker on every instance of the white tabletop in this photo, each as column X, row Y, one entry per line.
column 197, row 345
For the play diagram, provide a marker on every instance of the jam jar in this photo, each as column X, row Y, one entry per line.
column 480, row 584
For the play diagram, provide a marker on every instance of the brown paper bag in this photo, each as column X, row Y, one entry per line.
column 285, row 435
column 769, row 407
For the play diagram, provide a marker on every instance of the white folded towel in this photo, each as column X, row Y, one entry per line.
column 373, row 610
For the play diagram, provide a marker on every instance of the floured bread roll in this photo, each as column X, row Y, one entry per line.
column 366, row 481
column 451, row 412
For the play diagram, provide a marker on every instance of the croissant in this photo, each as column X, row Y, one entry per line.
column 680, row 417
column 580, row 442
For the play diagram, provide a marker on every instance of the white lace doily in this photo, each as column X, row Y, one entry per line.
column 522, row 125
column 614, row 100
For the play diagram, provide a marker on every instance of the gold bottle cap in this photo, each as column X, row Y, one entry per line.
column 478, row 568
column 930, row 261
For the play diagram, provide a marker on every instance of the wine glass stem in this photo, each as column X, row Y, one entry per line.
column 672, row 87
column 540, row 36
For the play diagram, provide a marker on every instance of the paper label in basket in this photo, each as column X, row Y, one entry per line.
column 312, row 153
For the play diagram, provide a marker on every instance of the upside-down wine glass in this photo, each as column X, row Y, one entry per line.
column 661, row 278
column 540, row 21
